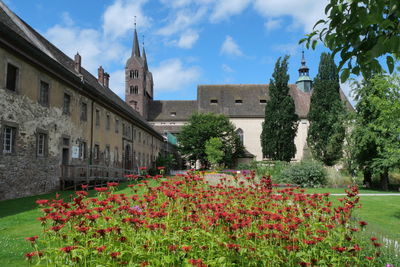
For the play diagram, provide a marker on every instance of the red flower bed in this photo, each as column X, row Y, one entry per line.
column 185, row 221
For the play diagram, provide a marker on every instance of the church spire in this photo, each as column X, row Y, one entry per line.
column 135, row 49
column 303, row 70
column 144, row 56
column 304, row 82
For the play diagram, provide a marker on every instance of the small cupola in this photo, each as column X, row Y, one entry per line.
column 304, row 82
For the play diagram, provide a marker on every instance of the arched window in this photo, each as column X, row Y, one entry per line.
column 241, row 136
column 133, row 89
column 134, row 74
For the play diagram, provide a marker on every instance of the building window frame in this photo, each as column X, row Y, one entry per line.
column 116, row 125
column 97, row 117
column 213, row 101
column 42, row 140
column 108, row 121
column 67, row 104
column 96, row 151
column 82, row 150
column 84, row 111
column 16, row 78
column 44, row 92
column 11, row 135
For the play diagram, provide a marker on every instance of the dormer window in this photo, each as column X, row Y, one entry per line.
column 263, row 101
column 239, row 101
column 214, row 101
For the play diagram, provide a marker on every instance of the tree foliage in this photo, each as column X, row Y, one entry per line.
column 203, row 126
column 326, row 132
column 377, row 130
column 214, row 151
column 280, row 125
column 360, row 31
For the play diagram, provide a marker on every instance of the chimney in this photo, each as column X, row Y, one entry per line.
column 101, row 75
column 106, row 79
column 78, row 61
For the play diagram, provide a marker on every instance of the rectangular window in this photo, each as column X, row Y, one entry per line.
column 123, row 129
column 173, row 114
column 108, row 122
column 140, row 136
column 12, row 76
column 263, row 101
column 96, row 152
column 44, row 93
column 213, row 101
column 107, row 153
column 82, row 150
column 97, row 117
column 67, row 104
column 9, row 134
column 116, row 155
column 238, row 101
column 116, row 125
column 83, row 111
column 41, row 144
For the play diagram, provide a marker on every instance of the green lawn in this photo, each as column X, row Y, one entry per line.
column 18, row 220
column 381, row 212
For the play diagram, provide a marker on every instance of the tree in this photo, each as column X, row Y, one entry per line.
column 214, row 151
column 360, row 30
column 203, row 126
column 377, row 130
column 326, row 132
column 280, row 125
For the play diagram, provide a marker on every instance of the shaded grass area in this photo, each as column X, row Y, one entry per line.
column 18, row 220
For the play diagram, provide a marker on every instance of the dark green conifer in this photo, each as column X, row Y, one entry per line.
column 281, row 121
column 326, row 116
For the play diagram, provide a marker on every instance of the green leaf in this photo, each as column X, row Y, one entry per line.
column 344, row 75
column 390, row 63
column 314, row 44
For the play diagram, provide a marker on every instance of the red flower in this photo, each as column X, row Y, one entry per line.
column 115, row 254
column 68, row 249
column 42, row 201
column 362, row 223
column 84, row 186
column 143, row 168
column 101, row 189
column 186, row 248
column 101, row 249
column 30, row 255
column 32, row 239
column 160, row 168
column 369, row 258
column 112, row 184
column 377, row 245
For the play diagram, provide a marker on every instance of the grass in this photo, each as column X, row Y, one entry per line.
column 18, row 219
column 382, row 213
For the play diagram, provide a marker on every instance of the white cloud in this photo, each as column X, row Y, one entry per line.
column 229, row 47
column 119, row 17
column 172, row 76
column 66, row 18
column 117, row 82
column 188, row 39
column 290, row 49
column 176, row 3
column 224, row 9
column 227, row 68
column 182, row 20
column 304, row 13
column 273, row 24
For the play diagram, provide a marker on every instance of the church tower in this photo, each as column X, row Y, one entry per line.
column 304, row 82
column 138, row 79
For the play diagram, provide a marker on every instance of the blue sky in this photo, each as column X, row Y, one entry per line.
column 188, row 42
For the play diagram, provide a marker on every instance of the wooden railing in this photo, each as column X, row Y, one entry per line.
column 72, row 176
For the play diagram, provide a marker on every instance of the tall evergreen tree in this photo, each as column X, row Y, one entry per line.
column 281, row 121
column 326, row 116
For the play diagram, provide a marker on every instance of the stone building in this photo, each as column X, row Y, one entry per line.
column 55, row 116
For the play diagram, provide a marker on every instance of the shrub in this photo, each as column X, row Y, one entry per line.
column 306, row 174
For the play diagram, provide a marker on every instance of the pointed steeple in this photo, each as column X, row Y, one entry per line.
column 135, row 48
column 303, row 70
column 144, row 57
column 304, row 81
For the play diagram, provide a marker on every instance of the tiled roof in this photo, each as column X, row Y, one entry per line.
column 171, row 110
